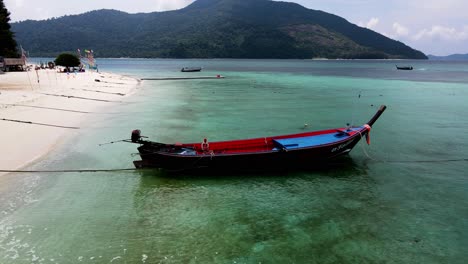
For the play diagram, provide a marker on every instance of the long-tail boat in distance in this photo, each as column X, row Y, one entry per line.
column 303, row 150
column 191, row 69
column 405, row 68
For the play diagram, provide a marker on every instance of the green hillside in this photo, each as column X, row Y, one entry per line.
column 211, row 29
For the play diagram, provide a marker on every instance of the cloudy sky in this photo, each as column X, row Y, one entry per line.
column 437, row 27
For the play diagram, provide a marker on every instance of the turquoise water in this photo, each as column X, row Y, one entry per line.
column 399, row 200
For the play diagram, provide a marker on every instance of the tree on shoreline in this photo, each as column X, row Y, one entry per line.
column 7, row 41
column 67, row 60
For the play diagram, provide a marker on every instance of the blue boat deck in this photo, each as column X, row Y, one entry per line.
column 310, row 141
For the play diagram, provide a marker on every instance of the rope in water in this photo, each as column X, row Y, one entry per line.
column 408, row 161
column 135, row 169
column 67, row 171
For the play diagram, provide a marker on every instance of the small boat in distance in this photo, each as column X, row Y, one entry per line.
column 191, row 69
column 303, row 150
column 405, row 68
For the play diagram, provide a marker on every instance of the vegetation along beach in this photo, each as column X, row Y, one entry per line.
column 86, row 89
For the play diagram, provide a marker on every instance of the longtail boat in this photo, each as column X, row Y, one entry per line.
column 303, row 150
column 405, row 68
column 191, row 69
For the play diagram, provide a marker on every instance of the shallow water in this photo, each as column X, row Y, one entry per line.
column 399, row 200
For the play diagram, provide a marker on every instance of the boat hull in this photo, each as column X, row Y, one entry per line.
column 409, row 68
column 259, row 161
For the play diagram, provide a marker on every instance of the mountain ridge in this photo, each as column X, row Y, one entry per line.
column 452, row 57
column 212, row 29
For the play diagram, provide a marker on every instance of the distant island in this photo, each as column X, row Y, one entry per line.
column 212, row 29
column 453, row 57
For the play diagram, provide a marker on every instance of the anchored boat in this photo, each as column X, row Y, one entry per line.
column 191, row 69
column 303, row 150
column 405, row 68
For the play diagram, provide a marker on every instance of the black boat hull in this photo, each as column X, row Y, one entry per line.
column 409, row 68
column 191, row 69
column 259, row 161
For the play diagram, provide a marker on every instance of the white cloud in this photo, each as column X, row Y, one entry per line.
column 400, row 30
column 443, row 33
column 19, row 3
column 170, row 5
column 41, row 13
column 371, row 24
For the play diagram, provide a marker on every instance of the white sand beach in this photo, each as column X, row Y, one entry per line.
column 35, row 116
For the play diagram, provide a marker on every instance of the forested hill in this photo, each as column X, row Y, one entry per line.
column 211, row 29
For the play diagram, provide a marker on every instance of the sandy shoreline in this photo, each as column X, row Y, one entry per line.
column 54, row 106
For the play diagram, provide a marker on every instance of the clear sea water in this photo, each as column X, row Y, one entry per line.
column 403, row 199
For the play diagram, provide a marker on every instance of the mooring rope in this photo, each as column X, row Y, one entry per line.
column 408, row 161
column 68, row 171
column 49, row 108
column 425, row 161
column 79, row 97
column 34, row 123
column 96, row 91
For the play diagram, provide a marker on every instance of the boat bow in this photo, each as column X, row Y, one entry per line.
column 377, row 115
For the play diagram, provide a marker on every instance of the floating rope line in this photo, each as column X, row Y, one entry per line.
column 79, row 97
column 82, row 112
column 410, row 161
column 50, row 108
column 34, row 123
column 68, row 171
column 96, row 91
column 113, row 142
column 425, row 161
